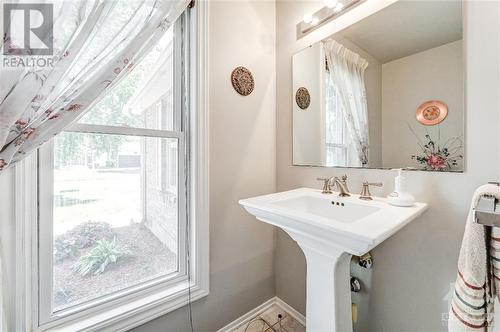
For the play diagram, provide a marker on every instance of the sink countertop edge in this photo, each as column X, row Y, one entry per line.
column 263, row 208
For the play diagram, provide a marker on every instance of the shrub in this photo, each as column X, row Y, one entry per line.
column 98, row 258
column 82, row 236
column 88, row 233
column 64, row 248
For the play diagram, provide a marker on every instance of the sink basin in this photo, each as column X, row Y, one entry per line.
column 324, row 207
column 329, row 229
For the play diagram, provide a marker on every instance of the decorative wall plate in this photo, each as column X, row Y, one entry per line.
column 432, row 112
column 242, row 81
column 302, row 98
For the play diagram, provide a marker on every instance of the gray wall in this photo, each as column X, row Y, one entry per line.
column 413, row 269
column 434, row 74
column 242, row 164
column 309, row 124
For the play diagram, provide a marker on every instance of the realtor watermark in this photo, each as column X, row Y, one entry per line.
column 28, row 31
column 27, row 61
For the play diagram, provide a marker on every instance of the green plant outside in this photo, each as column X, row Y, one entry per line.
column 100, row 257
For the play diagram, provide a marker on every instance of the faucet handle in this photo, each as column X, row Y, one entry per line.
column 365, row 191
column 327, row 188
column 344, row 180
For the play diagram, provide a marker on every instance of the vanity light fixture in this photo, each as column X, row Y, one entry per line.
column 333, row 9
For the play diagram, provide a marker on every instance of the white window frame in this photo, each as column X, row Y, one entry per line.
column 45, row 228
column 152, row 302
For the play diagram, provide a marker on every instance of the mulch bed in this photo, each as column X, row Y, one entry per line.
column 150, row 259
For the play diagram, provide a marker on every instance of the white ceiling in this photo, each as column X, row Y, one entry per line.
column 407, row 27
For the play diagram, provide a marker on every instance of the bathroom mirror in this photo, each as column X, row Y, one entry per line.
column 386, row 92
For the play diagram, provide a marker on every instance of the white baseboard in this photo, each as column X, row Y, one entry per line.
column 260, row 309
column 290, row 310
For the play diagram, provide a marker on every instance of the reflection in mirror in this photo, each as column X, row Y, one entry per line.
column 386, row 92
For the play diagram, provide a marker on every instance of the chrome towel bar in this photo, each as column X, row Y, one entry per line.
column 487, row 211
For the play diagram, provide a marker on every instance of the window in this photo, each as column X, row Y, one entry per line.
column 336, row 130
column 122, row 199
column 159, row 150
column 112, row 228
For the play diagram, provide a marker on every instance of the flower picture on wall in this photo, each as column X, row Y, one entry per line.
column 437, row 156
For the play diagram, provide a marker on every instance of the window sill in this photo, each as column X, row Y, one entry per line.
column 134, row 313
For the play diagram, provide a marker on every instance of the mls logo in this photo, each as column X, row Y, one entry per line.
column 28, row 29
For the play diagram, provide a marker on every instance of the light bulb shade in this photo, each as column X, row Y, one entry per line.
column 308, row 18
column 331, row 3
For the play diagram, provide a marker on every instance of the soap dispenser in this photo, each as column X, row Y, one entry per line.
column 400, row 197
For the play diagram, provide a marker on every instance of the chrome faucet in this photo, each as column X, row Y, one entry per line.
column 341, row 185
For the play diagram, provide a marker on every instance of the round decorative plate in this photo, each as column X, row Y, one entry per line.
column 432, row 112
column 302, row 98
column 242, row 81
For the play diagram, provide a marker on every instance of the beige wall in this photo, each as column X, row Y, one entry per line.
column 242, row 164
column 411, row 277
column 309, row 124
column 434, row 74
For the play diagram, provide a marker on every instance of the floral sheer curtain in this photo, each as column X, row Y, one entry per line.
column 96, row 43
column 346, row 70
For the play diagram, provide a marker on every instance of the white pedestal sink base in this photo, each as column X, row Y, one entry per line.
column 328, row 306
column 329, row 229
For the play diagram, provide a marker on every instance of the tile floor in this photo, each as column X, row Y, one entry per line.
column 268, row 321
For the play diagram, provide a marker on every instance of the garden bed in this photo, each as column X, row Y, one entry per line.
column 149, row 258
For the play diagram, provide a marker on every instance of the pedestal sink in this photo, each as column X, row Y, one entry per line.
column 329, row 230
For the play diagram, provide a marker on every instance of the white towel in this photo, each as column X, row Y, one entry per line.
column 472, row 305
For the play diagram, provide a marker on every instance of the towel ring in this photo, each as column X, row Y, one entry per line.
column 487, row 210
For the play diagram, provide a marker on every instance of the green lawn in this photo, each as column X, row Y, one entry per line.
column 110, row 195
